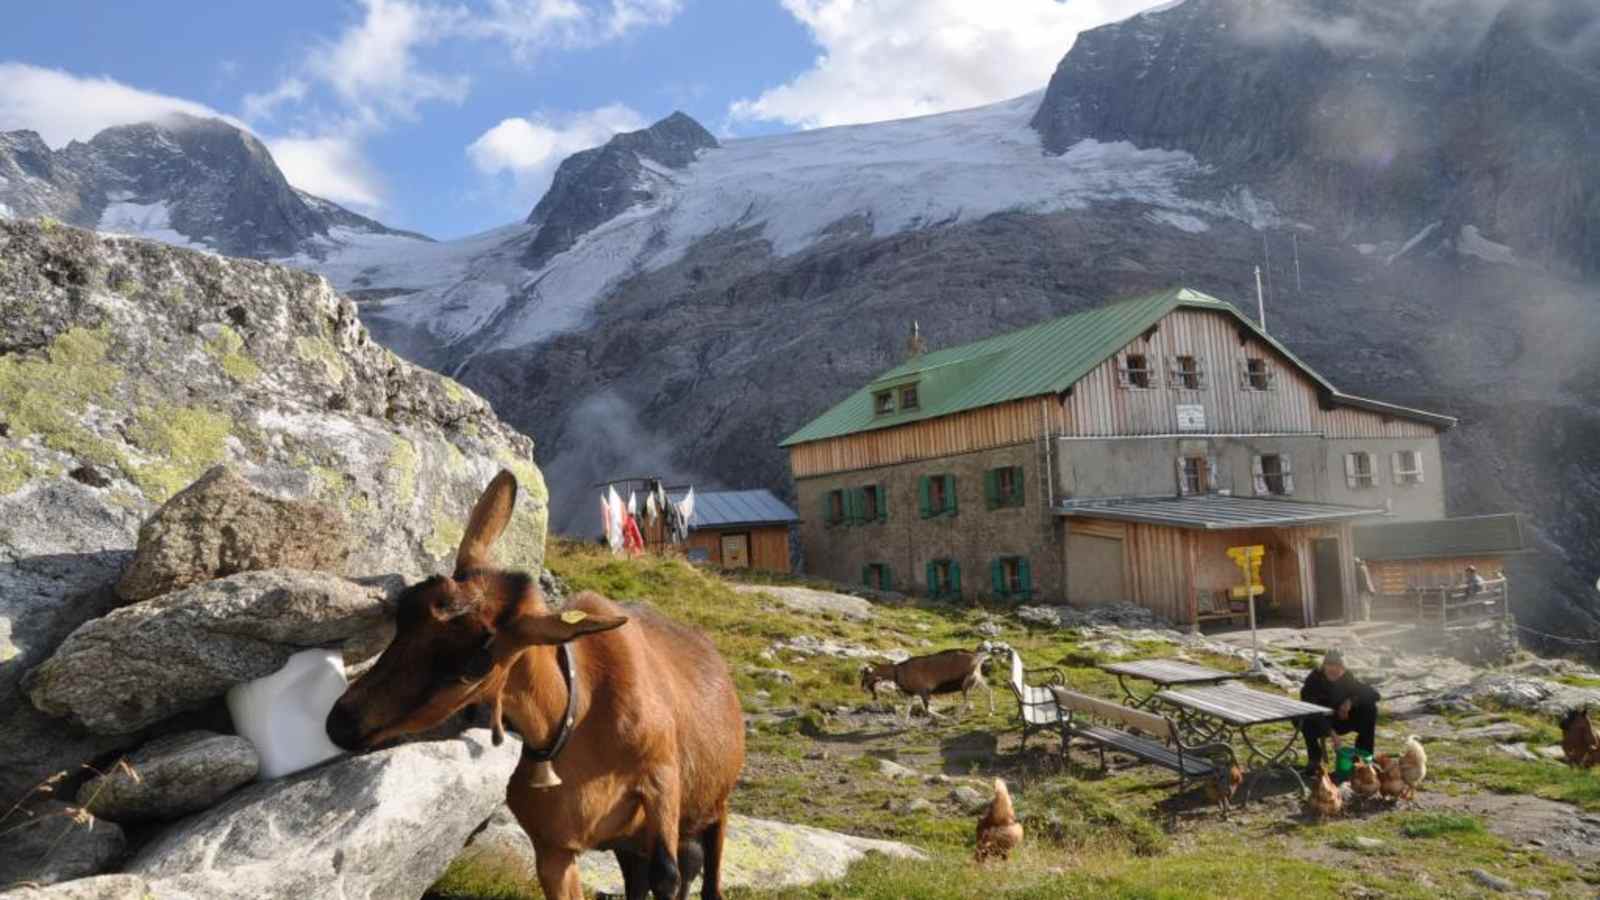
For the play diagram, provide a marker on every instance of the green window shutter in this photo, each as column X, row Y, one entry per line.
column 857, row 506
column 1025, row 576
column 950, row 495
column 1020, row 498
column 827, row 508
column 991, row 488
column 888, row 578
column 883, row 502
column 924, row 496
column 955, row 578
column 866, row 576
column 928, row 574
column 997, row 577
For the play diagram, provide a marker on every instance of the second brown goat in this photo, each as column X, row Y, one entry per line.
column 936, row 673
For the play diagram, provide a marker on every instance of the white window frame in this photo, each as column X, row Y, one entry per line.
column 1262, row 478
column 879, row 408
column 1269, row 377
column 1176, row 373
column 1125, row 373
column 1407, row 476
column 1354, row 478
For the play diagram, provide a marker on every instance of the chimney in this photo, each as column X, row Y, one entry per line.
column 915, row 345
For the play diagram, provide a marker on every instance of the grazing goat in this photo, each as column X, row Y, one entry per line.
column 1578, row 740
column 638, row 713
column 937, row 673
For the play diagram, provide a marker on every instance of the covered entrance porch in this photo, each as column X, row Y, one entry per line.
column 1169, row 554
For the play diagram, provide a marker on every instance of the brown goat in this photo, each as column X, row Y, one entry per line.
column 1578, row 740
column 937, row 673
column 655, row 737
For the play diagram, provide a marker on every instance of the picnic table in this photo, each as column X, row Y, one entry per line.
column 1235, row 710
column 1164, row 673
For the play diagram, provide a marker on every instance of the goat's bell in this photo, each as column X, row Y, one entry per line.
column 544, row 776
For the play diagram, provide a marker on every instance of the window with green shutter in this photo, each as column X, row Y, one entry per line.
column 1011, row 577
column 943, row 577
column 870, row 505
column 1002, row 487
column 833, row 508
column 881, row 497
column 878, row 576
column 936, row 495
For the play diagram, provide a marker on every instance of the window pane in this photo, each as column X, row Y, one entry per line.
column 908, row 397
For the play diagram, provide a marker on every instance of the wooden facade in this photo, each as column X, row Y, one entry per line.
column 767, row 546
column 1098, row 407
column 1396, row 577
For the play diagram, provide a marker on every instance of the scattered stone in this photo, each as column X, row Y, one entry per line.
column 221, row 526
column 805, row 645
column 171, row 777
column 99, row 887
column 1368, row 843
column 1490, row 732
column 778, row 675
column 969, row 798
column 891, row 769
column 1519, row 751
column 384, row 824
column 147, row 661
column 903, row 807
column 57, row 842
column 90, row 475
column 1492, row 882
column 988, row 628
column 818, row 755
column 809, row 600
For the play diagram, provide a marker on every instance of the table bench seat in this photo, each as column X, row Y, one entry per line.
column 1147, row 750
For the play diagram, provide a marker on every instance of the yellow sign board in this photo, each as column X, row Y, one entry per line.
column 1248, row 559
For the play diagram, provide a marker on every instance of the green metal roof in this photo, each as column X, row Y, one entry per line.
column 1441, row 538
column 1046, row 358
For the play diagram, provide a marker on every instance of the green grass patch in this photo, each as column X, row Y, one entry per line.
column 1436, row 824
column 1489, row 769
column 482, row 876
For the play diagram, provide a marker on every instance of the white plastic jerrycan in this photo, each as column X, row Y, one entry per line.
column 285, row 714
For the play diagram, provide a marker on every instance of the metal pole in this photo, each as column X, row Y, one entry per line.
column 1261, row 301
column 1255, row 650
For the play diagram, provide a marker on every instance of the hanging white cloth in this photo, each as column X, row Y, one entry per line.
column 614, row 520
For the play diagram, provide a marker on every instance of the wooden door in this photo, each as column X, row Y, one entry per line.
column 1329, row 574
column 1094, row 570
column 736, row 551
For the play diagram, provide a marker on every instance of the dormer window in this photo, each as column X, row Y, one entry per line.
column 1256, row 375
column 908, row 397
column 883, row 403
column 1186, row 373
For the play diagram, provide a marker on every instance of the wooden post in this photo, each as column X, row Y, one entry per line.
column 1190, row 567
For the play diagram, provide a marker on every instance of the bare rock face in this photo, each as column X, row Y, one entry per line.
column 100, row 887
column 57, row 842
column 151, row 660
column 153, row 365
column 171, row 777
column 372, row 827
column 220, row 526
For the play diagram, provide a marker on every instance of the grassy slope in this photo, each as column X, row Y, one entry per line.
column 1091, row 834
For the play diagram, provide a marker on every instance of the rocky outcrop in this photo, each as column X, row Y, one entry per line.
column 180, row 178
column 151, row 365
column 220, row 526
column 593, row 186
column 100, row 887
column 148, row 661
column 371, row 827
column 53, row 842
column 758, row 854
column 171, row 777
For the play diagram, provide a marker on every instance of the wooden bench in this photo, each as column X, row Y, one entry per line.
column 1146, row 736
column 1216, row 606
column 1036, row 706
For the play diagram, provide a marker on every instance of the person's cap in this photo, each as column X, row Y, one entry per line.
column 1333, row 658
column 1472, row 568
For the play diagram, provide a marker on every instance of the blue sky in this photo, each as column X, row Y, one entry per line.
column 449, row 117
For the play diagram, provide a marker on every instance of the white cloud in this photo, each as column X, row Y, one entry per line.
column 261, row 106
column 888, row 59
column 373, row 66
column 330, row 167
column 527, row 26
column 529, row 149
column 64, row 107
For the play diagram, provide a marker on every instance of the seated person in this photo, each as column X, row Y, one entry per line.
column 1354, row 705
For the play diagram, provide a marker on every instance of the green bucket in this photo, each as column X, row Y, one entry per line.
column 1344, row 763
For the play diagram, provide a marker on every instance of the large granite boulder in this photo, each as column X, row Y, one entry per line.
column 54, row 841
column 170, row 777
column 758, row 853
column 221, row 526
column 373, row 827
column 100, row 887
column 147, row 661
column 128, row 369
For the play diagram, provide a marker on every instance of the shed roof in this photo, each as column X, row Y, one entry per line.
column 720, row 509
column 1214, row 512
column 1046, row 358
column 1441, row 538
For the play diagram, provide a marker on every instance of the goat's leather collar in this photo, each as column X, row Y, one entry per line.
column 569, row 673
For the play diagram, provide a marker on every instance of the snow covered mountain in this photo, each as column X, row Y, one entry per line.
column 194, row 182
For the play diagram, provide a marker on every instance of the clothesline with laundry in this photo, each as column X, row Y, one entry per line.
column 621, row 520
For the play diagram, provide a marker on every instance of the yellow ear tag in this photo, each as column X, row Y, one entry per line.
column 574, row 616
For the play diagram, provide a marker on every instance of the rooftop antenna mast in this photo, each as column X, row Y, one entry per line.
column 1261, row 302
column 1297, row 288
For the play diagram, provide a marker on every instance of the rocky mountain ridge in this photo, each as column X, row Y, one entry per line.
column 182, row 179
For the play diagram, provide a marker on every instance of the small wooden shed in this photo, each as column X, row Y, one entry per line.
column 740, row 530
column 1402, row 556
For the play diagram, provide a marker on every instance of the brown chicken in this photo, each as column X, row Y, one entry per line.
column 1391, row 784
column 999, row 832
column 1364, row 781
column 1413, row 766
column 1326, row 801
column 1223, row 786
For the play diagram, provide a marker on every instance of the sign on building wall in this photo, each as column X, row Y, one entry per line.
column 1191, row 417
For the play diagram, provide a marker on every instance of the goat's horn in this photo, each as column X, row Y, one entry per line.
column 544, row 776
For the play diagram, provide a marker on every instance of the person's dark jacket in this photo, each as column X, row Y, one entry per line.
column 1320, row 690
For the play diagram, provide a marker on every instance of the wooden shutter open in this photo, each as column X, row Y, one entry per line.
column 925, row 495
column 1350, row 471
column 1258, row 474
column 883, row 502
column 1286, row 466
column 991, row 488
column 950, row 495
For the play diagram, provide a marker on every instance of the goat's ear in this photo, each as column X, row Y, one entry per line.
column 488, row 520
column 555, row 628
